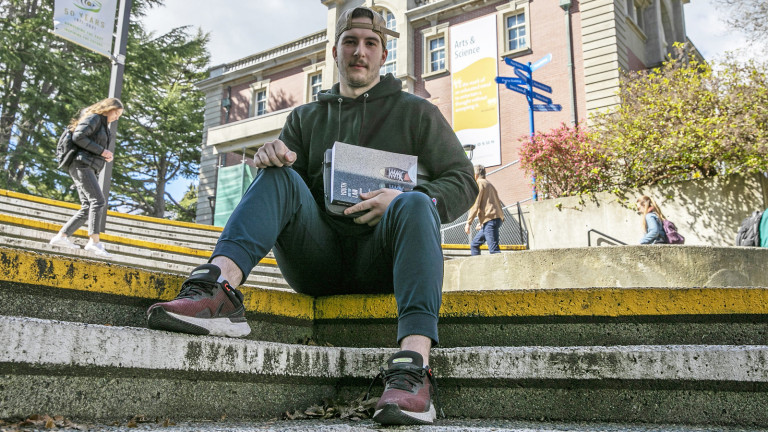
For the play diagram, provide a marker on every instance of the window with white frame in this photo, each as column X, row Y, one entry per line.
column 390, row 66
column 259, row 97
column 315, row 85
column 435, row 48
column 260, row 106
column 436, row 54
column 514, row 27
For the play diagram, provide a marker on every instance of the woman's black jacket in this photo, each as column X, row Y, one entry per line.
column 92, row 136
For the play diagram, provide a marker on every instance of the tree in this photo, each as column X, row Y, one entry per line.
column 186, row 209
column 164, row 120
column 687, row 120
column 44, row 81
column 749, row 17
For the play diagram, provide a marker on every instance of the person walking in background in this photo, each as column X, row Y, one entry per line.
column 489, row 213
column 652, row 221
column 90, row 133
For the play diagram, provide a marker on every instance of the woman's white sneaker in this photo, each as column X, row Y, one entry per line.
column 97, row 248
column 60, row 240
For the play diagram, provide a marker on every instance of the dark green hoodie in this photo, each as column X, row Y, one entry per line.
column 384, row 118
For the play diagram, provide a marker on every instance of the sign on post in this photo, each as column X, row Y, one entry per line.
column 525, row 84
column 89, row 24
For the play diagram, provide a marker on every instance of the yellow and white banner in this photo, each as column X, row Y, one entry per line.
column 475, row 94
column 88, row 23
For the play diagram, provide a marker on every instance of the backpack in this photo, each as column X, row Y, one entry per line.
column 65, row 149
column 673, row 237
column 749, row 231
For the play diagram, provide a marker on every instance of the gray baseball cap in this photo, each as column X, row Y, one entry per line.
column 379, row 25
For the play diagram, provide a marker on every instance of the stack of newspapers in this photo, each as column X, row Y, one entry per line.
column 350, row 170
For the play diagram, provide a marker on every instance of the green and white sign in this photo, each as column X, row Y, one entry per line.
column 88, row 23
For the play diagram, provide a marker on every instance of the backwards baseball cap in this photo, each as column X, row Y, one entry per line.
column 378, row 26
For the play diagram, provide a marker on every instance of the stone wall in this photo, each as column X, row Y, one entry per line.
column 706, row 212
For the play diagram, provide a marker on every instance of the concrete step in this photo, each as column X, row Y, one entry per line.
column 263, row 275
column 94, row 372
column 73, row 289
column 143, row 228
column 59, row 212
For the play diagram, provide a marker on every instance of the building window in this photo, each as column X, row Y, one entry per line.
column 514, row 28
column 315, row 85
column 436, row 54
column 635, row 11
column 259, row 97
column 435, row 43
column 313, row 77
column 261, row 103
column 391, row 64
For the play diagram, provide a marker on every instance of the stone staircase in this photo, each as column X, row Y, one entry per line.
column 28, row 223
column 658, row 334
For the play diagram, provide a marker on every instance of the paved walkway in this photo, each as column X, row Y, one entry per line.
column 369, row 425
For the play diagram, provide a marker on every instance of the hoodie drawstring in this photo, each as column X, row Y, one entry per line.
column 338, row 130
column 362, row 121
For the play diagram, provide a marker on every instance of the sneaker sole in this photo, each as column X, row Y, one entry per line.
column 161, row 319
column 391, row 414
column 65, row 246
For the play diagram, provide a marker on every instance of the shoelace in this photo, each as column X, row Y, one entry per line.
column 193, row 288
column 405, row 379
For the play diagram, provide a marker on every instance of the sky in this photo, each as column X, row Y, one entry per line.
column 247, row 27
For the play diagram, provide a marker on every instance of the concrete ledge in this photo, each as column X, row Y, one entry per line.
column 617, row 266
column 41, row 351
column 55, row 287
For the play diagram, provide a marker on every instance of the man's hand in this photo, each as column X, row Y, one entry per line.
column 466, row 227
column 274, row 153
column 376, row 202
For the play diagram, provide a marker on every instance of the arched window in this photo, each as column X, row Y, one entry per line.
column 391, row 64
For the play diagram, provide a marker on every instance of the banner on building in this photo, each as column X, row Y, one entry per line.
column 231, row 185
column 88, row 23
column 475, row 94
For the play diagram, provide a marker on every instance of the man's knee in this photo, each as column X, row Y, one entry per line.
column 414, row 203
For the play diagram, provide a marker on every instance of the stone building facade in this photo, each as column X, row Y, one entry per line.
column 248, row 100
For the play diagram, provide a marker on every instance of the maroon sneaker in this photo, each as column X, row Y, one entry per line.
column 203, row 307
column 408, row 391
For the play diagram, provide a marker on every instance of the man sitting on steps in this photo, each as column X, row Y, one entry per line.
column 393, row 246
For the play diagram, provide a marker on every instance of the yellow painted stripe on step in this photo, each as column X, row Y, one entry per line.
column 483, row 247
column 106, row 278
column 608, row 302
column 371, row 306
column 69, row 205
column 109, row 238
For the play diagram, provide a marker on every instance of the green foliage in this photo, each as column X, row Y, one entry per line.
column 684, row 120
column 186, row 209
column 45, row 81
column 687, row 120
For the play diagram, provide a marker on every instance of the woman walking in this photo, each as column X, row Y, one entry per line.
column 90, row 133
column 652, row 221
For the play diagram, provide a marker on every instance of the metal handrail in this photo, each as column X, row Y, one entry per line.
column 589, row 238
column 522, row 222
column 503, row 208
column 501, row 168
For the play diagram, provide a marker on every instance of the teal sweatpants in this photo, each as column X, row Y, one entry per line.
column 401, row 254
